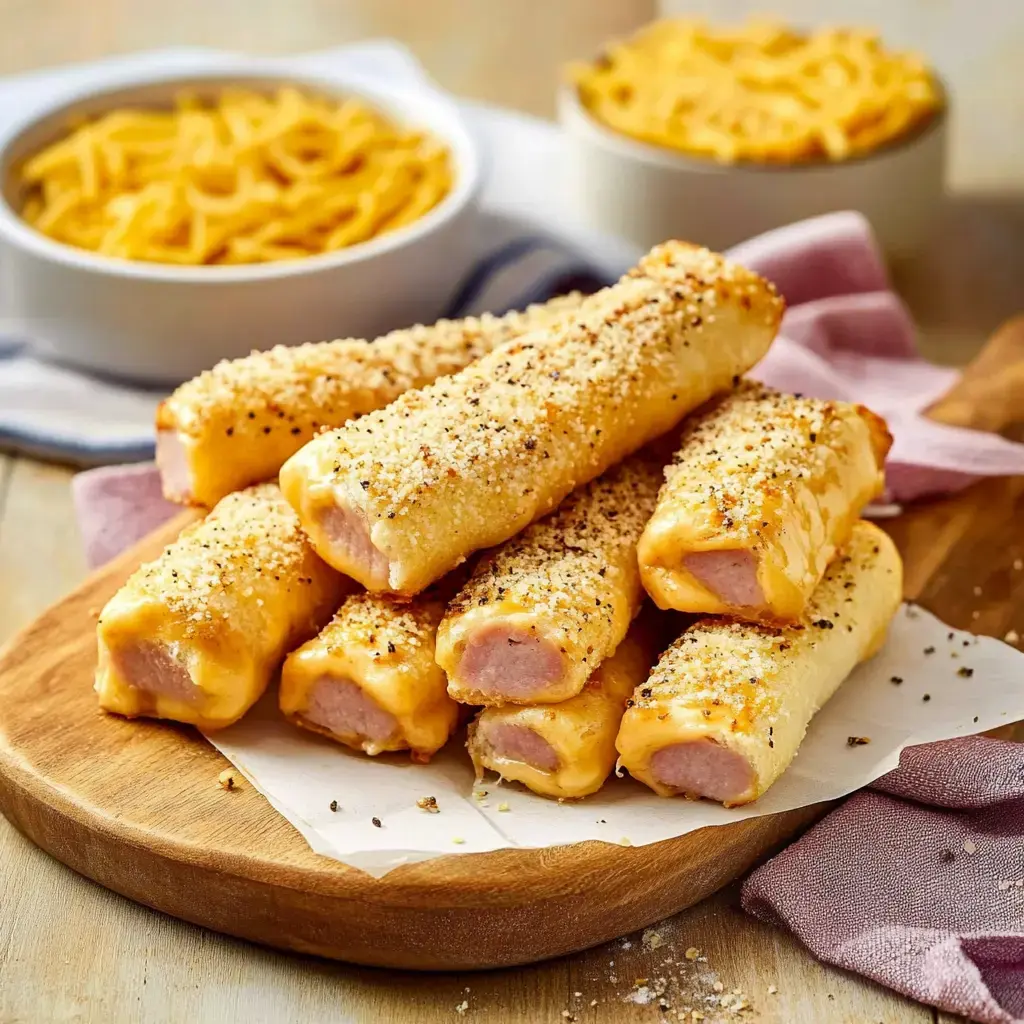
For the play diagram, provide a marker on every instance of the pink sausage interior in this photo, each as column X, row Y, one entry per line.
column 150, row 667
column 349, row 534
column 518, row 743
column 502, row 660
column 730, row 575
column 342, row 707
column 703, row 768
column 174, row 470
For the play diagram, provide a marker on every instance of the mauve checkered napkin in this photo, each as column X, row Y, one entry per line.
column 870, row 888
column 917, row 882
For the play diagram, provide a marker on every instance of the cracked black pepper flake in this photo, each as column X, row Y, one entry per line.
column 965, row 672
column 334, row 805
column 929, row 650
column 857, row 741
column 927, row 697
column 896, row 679
column 376, row 822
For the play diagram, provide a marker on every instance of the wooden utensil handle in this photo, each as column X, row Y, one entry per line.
column 990, row 394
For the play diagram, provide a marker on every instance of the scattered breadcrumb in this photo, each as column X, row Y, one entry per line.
column 334, row 805
column 1011, row 636
column 977, row 591
column 428, row 804
column 625, row 841
column 692, row 953
column 641, row 995
column 1018, row 564
column 772, row 990
column 857, row 741
column 227, row 779
column 458, row 840
column 652, row 939
column 479, row 794
column 975, row 614
column 462, row 1007
column 718, row 986
column 970, row 847
column 503, row 806
column 376, row 822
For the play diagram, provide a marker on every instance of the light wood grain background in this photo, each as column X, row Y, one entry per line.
column 72, row 951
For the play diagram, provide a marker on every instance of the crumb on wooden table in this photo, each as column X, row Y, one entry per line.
column 227, row 779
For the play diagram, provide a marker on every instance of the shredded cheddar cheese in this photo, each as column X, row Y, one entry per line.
column 244, row 178
column 761, row 93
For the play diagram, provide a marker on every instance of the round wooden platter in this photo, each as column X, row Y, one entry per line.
column 136, row 806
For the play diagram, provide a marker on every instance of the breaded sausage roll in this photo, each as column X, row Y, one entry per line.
column 567, row 749
column 196, row 635
column 369, row 680
column 236, row 424
column 728, row 704
column 541, row 612
column 763, row 489
column 405, row 494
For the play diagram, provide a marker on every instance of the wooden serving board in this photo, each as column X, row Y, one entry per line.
column 136, row 806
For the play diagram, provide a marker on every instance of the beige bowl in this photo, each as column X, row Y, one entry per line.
column 164, row 323
column 646, row 193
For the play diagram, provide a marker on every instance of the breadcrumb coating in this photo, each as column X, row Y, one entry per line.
column 239, row 421
column 777, row 475
column 472, row 459
column 572, row 578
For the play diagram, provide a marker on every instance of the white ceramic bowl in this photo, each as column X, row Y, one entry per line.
column 647, row 193
column 164, row 323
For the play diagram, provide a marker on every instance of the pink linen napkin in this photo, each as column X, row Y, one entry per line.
column 918, row 881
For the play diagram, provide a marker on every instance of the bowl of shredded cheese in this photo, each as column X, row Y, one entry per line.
column 158, row 225
column 719, row 133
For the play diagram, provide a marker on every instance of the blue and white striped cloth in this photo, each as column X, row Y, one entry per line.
column 527, row 252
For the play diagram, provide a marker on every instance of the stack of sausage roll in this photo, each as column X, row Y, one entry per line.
column 578, row 526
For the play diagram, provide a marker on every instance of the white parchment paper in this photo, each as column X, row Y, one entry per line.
column 301, row 773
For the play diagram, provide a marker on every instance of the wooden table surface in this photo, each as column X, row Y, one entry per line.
column 70, row 950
